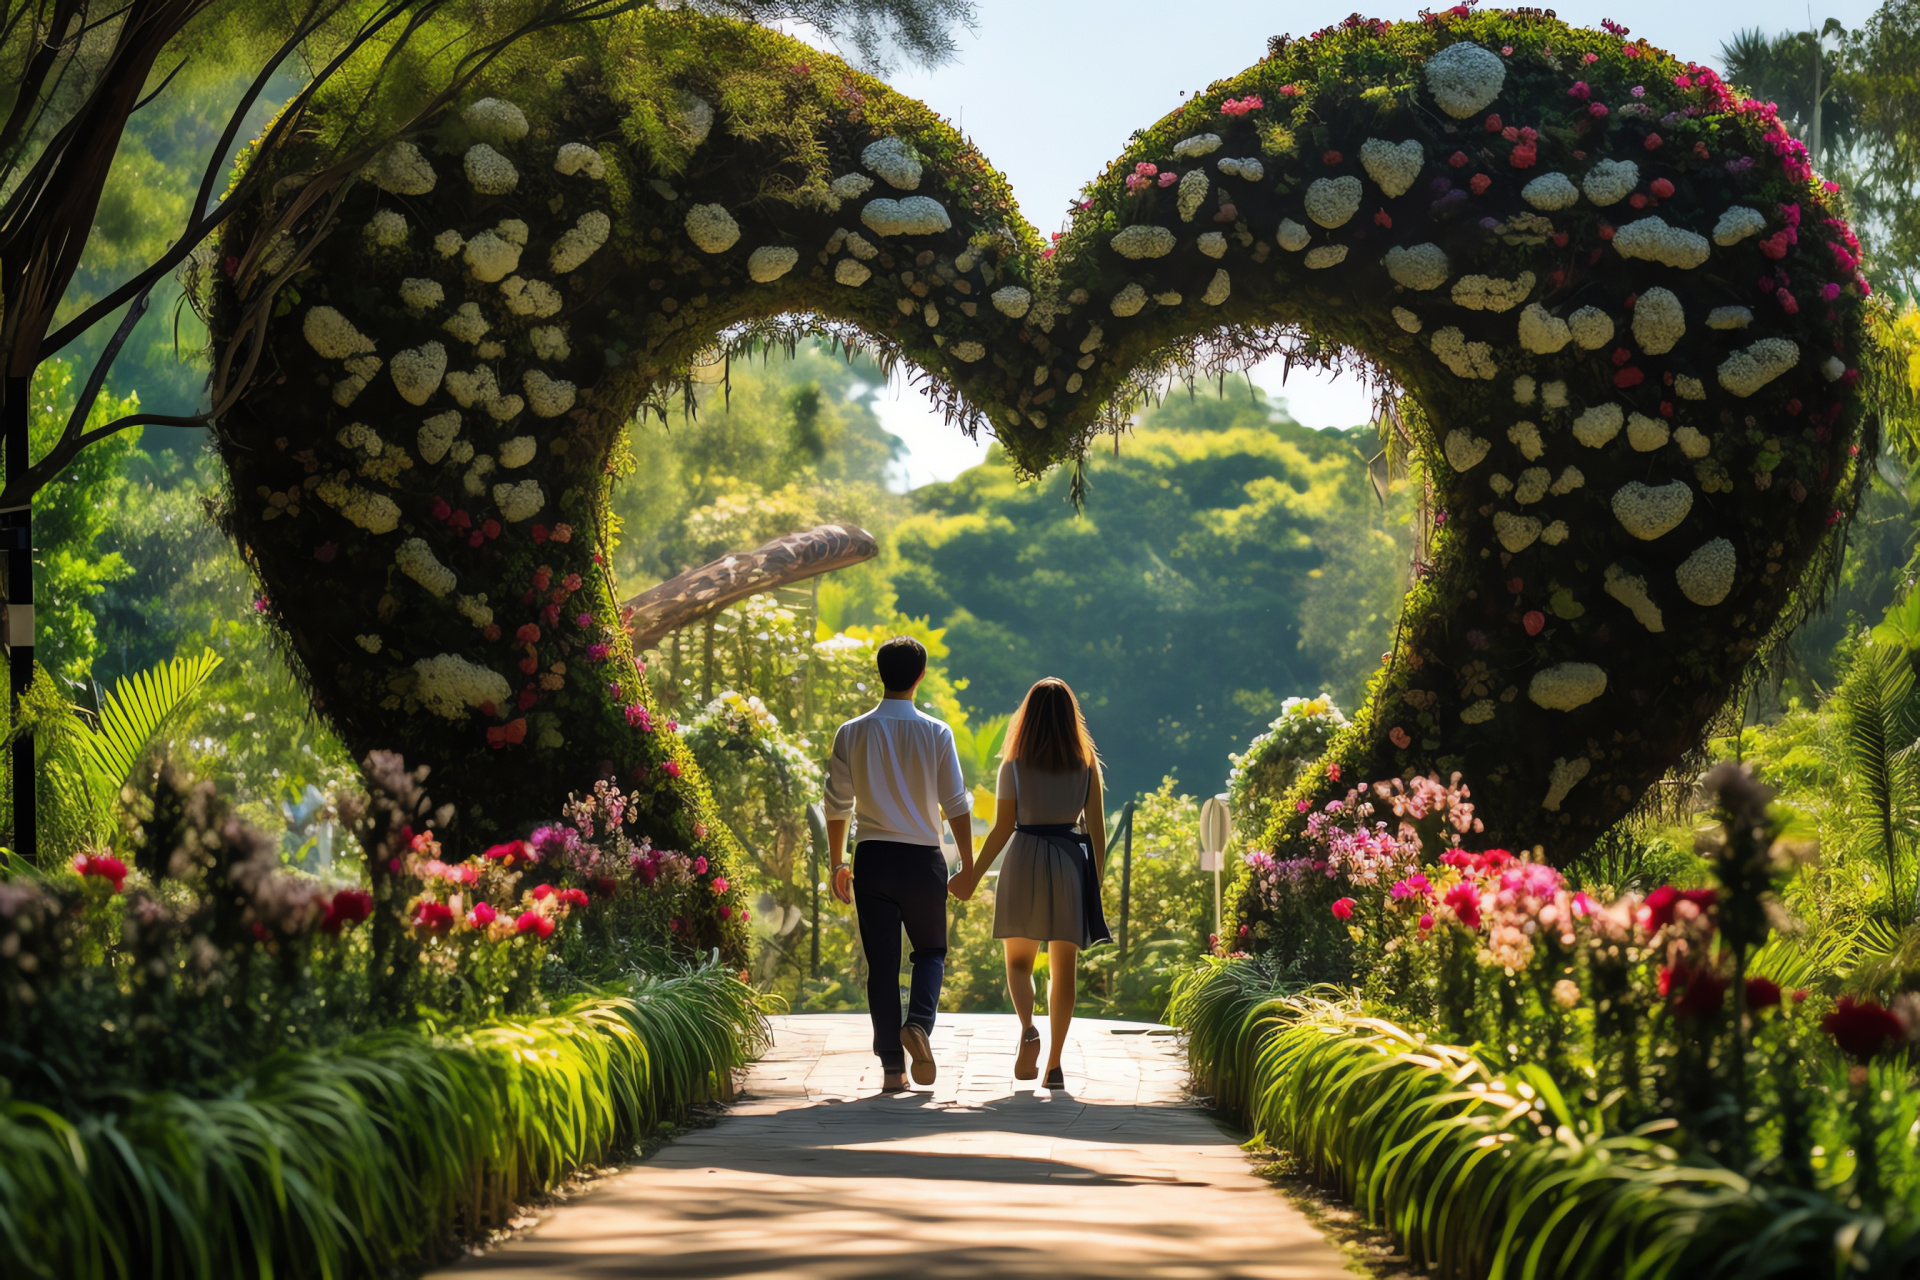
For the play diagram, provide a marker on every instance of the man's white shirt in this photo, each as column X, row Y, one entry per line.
column 897, row 772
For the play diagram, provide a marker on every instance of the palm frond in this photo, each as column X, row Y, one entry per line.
column 134, row 711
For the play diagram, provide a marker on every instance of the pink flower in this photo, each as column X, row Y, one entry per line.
column 1168, row 178
column 700, row 866
column 672, row 768
column 349, row 906
column 574, row 897
column 482, row 915
column 719, row 884
column 638, row 718
column 1597, row 109
column 534, row 922
column 1343, row 909
column 1426, row 922
column 104, row 865
column 433, row 917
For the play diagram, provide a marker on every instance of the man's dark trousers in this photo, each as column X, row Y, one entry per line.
column 898, row 884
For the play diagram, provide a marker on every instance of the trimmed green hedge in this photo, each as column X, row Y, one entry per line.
column 367, row 1156
column 1497, row 1174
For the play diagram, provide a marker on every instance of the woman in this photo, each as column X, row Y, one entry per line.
column 1049, row 893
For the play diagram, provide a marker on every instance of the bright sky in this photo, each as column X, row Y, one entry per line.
column 1050, row 89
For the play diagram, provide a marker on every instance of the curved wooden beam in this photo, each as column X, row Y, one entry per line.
column 680, row 601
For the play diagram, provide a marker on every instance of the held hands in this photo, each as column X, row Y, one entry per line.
column 962, row 884
column 843, row 883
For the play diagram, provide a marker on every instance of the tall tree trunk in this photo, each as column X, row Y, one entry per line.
column 18, row 537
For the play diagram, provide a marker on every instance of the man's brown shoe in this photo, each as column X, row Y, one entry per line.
column 914, row 1041
column 1026, row 1065
column 893, row 1082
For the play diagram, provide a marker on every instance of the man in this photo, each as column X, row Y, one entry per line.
column 896, row 770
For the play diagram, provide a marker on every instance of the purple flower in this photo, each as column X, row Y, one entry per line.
column 597, row 652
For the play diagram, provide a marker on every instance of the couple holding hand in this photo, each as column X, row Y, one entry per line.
column 896, row 771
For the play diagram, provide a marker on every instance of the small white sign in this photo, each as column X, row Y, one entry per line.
column 1210, row 860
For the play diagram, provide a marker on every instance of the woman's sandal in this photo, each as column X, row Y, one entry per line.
column 1026, row 1064
column 1056, row 1078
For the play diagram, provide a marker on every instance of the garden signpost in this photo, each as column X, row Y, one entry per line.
column 1216, row 830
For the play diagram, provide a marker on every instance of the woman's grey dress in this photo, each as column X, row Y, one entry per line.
column 1039, row 895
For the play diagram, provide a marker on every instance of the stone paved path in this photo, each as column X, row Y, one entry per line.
column 814, row 1175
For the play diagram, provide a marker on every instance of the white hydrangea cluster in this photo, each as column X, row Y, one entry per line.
column 1393, row 166
column 416, row 372
column 1500, row 485
column 1012, row 301
column 968, row 352
column 1729, row 318
column 711, row 228
column 490, row 257
column 861, row 247
column 1143, row 240
column 1525, row 436
column 467, row 324
column 1217, row 289
column 1320, row 257
column 1465, row 78
column 448, row 243
column 1292, row 236
column 578, row 157
column 386, row 229
column 1659, row 321
column 402, row 170
column 1645, row 434
column 1736, row 224
column 912, row 216
column 1553, row 394
column 518, row 452
column 476, row 477
column 1212, row 243
column 1630, row 589
column 520, row 501
column 475, row 388
column 548, row 397
column 1610, row 181
column 1129, row 301
column 436, row 436
column 475, row 610
column 1332, row 202
column 894, row 161
column 1571, row 478
column 1833, row 368
column 1652, row 240
column 850, row 186
column 374, row 512
column 1567, row 685
column 579, row 242
column 1688, row 387
column 1199, row 144
column 1533, row 485
column 1465, row 359
column 530, row 297
column 1542, row 332
column 1248, row 167
column 695, row 118
column 1555, row 534
column 1479, row 712
column 1418, row 267
column 371, row 643
column 1562, row 779
column 1191, row 193
column 549, row 342
column 489, row 172
column 1649, row 511
column 1515, row 533
column 851, row 273
column 332, row 335
column 1745, row 372
column 1406, row 320
column 771, row 261
column 418, row 294
column 1490, row 293
column 1591, row 327
column 1523, row 389
column 417, row 561
column 448, row 685
column 1551, row 192
column 1692, row 442
column 1706, row 576
column 1598, row 425
column 495, row 120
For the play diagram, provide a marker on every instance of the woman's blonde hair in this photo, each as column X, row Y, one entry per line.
column 1048, row 732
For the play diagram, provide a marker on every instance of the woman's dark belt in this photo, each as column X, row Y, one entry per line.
column 1082, row 845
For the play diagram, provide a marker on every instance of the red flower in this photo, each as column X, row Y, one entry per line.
column 1493, row 124
column 1699, row 991
column 574, row 897
column 482, row 915
column 510, row 734
column 1661, row 188
column 719, row 884
column 672, row 768
column 1343, row 909
column 1465, row 904
column 541, row 892
column 1479, row 183
column 1426, row 922
column 1862, row 1029
column 539, row 534
column 1762, row 993
column 1400, row 737
column 434, row 917
column 1459, row 159
column 349, row 906
column 1629, row 377
column 511, row 852
column 104, row 865
column 534, row 922
column 1331, row 157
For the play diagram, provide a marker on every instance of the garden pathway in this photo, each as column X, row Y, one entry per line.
column 813, row 1175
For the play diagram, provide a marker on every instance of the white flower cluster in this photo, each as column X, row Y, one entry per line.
column 1407, row 321
column 1464, row 450
column 1692, row 443
column 490, row 256
column 489, row 172
column 1248, row 167
column 1566, row 773
column 894, row 161
column 1833, row 368
column 371, row 643
column 1659, row 321
column 1729, row 318
column 850, row 186
column 861, row 247
column 1533, row 486
column 1393, row 166
column 1551, row 192
column 530, row 297
column 1332, row 202
column 1745, row 372
column 1143, row 240
column 1688, row 387
column 1525, row 436
column 913, row 216
column 695, row 118
column 1553, row 394
column 418, row 294
column 1191, row 193
column 1292, row 236
column 518, row 452
column 1542, row 332
column 1706, row 576
column 1598, row 425
column 1652, row 240
column 1555, row 534
column 1610, row 181
column 474, row 609
column 1630, row 589
column 852, row 274
column 1570, row 479
column 374, row 512
column 1217, row 289
column 1419, row 267
column 1464, row 78
column 1567, row 685
column 1489, row 293
column 520, row 501
column 436, row 435
column 1465, row 359
column 1645, row 434
column 578, row 157
column 1199, row 144
column 332, row 335
column 579, row 242
column 968, row 352
column 476, row 477
column 711, row 228
column 1479, row 712
column 1129, row 301
column 416, row 373
column 417, row 561
column 548, row 397
column 401, row 169
column 1736, row 224
column 771, row 261
column 1323, row 256
column 495, row 120
column 448, row 243
column 386, row 229
column 448, row 685
column 1516, row 533
column 1212, row 243
column 1012, row 301
column 1648, row 512
column 467, row 324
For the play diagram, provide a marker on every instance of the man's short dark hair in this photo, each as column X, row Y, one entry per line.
column 902, row 660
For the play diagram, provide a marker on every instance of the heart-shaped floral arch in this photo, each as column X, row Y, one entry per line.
column 1628, row 318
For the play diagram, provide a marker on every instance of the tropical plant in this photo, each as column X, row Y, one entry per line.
column 135, row 711
column 1881, row 719
column 979, row 747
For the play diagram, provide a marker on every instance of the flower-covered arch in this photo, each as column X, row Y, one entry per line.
column 1628, row 318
